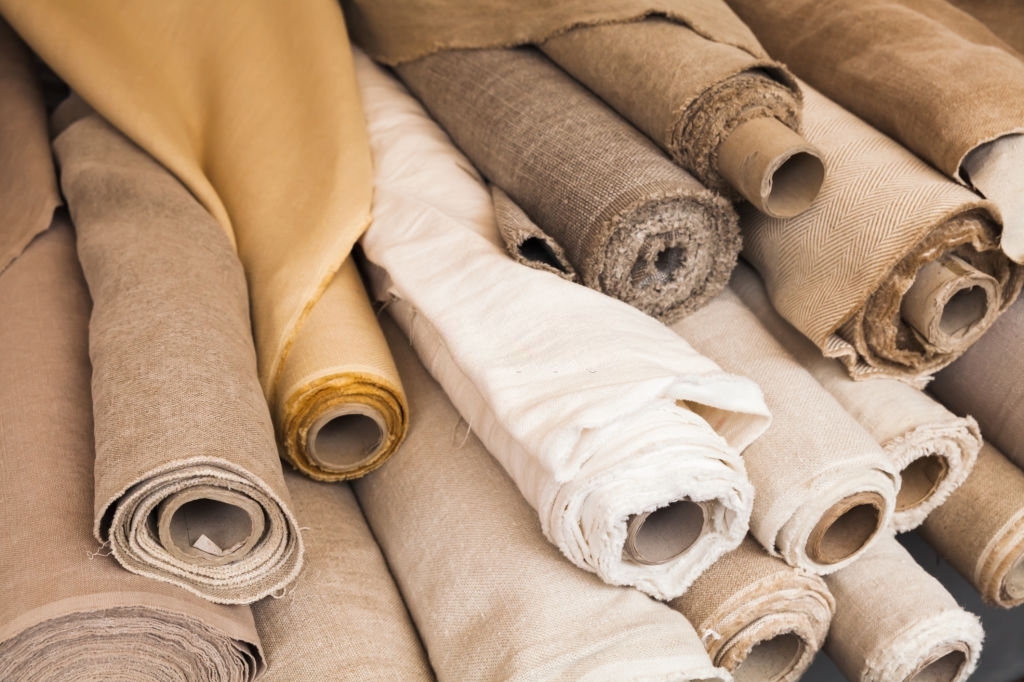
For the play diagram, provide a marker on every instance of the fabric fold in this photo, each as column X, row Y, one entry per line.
column 525, row 242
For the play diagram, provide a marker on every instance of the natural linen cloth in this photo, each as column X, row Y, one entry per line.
column 932, row 449
column 188, row 482
column 70, row 612
column 759, row 618
column 491, row 598
column 824, row 485
column 344, row 617
column 632, row 224
column 597, row 411
column 895, row 622
column 840, row 272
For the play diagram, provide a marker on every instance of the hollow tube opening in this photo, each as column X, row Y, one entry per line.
column 846, row 528
column 771, row 659
column 662, row 535
column 344, row 441
column 945, row 668
column 794, row 185
column 919, row 480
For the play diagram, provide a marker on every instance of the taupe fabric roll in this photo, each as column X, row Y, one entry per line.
column 932, row 449
column 344, row 617
column 632, row 224
column 895, row 622
column 759, row 618
column 980, row 529
column 824, row 487
column 894, row 269
column 491, row 597
column 69, row 612
column 188, row 482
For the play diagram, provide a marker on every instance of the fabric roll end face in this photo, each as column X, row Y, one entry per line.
column 209, row 526
column 347, row 440
column 947, row 665
column 771, row 660
column 659, row 536
column 919, row 480
column 1013, row 583
column 846, row 528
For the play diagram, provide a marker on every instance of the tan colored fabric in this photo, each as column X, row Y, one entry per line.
column 344, row 618
column 1003, row 17
column 839, row 272
column 491, row 597
column 759, row 618
column 633, row 224
column 894, row 621
column 932, row 449
column 980, row 529
column 28, row 183
column 339, row 404
column 69, row 612
column 188, row 483
column 526, row 243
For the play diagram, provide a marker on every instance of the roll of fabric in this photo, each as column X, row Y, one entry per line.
column 633, row 224
column 70, row 612
column 344, row 617
column 824, row 486
column 491, row 598
column 933, row 449
column 188, row 482
column 1002, row 17
column 894, row 622
column 620, row 446
column 525, row 242
column 980, row 529
column 759, row 618
column 894, row 269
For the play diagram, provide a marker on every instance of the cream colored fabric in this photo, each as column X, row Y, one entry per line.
column 69, row 612
column 995, row 170
column 188, row 483
column 591, row 430
column 491, row 598
column 933, row 449
column 823, row 485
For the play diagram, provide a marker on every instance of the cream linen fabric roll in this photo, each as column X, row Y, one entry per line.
column 844, row 271
column 824, row 486
column 70, row 612
column 188, row 482
column 606, row 416
column 344, row 618
column 933, row 449
column 895, row 622
column 491, row 598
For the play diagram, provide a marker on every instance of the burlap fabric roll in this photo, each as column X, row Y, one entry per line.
column 759, row 618
column 69, row 612
column 932, row 449
column 824, row 487
column 633, row 224
column 894, row 269
column 628, row 453
column 188, row 484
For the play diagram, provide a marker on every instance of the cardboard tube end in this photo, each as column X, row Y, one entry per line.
column 950, row 303
column 772, row 659
column 661, row 535
column 1013, row 583
column 919, row 480
column 945, row 667
column 343, row 440
column 209, row 526
column 846, row 528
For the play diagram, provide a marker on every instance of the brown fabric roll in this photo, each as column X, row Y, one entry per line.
column 525, row 242
column 845, row 271
column 633, row 224
column 188, row 482
column 1003, row 17
column 759, row 618
column 69, row 612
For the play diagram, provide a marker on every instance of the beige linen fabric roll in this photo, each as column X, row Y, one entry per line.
column 895, row 622
column 344, row 617
column 932, row 449
column 845, row 271
column 491, row 598
column 633, row 224
column 188, row 483
column 824, row 488
column 759, row 618
column 70, row 612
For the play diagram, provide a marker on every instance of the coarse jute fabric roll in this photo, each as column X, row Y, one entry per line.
column 980, row 529
column 633, row 224
column 627, row 450
column 895, row 622
column 932, row 449
column 759, row 617
column 70, row 612
column 188, row 481
column 894, row 269
column 344, row 617
column 824, row 487
column 490, row 597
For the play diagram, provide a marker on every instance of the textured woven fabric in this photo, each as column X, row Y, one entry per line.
column 1002, row 17
column 188, row 484
column 69, row 611
column 525, row 242
column 633, row 224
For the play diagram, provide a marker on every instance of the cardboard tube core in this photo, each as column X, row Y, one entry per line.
column 846, row 528
column 919, row 480
column 771, row 659
column 209, row 525
column 341, row 440
column 950, row 303
column 945, row 668
column 661, row 535
column 1013, row 584
column 772, row 166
